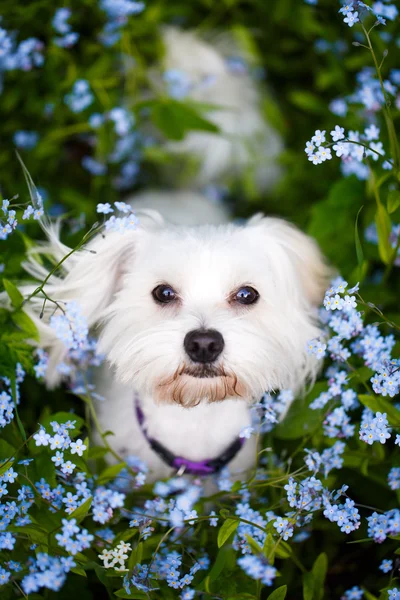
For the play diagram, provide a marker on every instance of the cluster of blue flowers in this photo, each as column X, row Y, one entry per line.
column 381, row 525
column 80, row 96
column 71, row 326
column 59, row 442
column 73, row 538
column 47, row 572
column 67, row 38
column 22, row 56
column 9, row 221
column 352, row 148
column 128, row 222
column 356, row 10
column 30, row 53
column 117, row 12
column 375, row 350
column 374, row 428
column 356, row 147
column 394, row 475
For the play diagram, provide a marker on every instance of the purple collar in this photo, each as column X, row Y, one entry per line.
column 184, row 465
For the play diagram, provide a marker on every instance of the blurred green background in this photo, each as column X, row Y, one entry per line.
column 305, row 53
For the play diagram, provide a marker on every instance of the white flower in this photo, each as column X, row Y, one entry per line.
column 315, row 159
column 41, row 438
column 337, row 133
column 309, row 149
column 319, row 137
column 324, row 153
column 246, row 432
column 372, row 132
column 341, row 149
column 104, row 209
column 378, row 147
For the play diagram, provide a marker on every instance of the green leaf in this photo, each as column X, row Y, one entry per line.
column 318, row 571
column 307, row 101
column 308, row 586
column 253, row 545
column 380, row 404
column 359, row 250
column 268, row 548
column 135, row 595
column 13, row 293
column 79, row 571
column 226, row 531
column 393, row 201
column 36, row 534
column 313, row 582
column 220, row 562
column 136, row 556
column 283, row 550
column 175, row 119
column 111, row 472
column 334, row 214
column 301, row 419
column 6, row 465
column 24, row 322
column 6, row 451
column 97, row 451
column 384, row 227
column 279, row 593
column 368, row 595
column 80, row 513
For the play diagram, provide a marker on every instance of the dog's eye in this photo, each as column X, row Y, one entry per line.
column 246, row 295
column 164, row 294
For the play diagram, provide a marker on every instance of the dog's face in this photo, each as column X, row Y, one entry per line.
column 205, row 313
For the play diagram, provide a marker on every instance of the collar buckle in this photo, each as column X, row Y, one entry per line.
column 181, row 470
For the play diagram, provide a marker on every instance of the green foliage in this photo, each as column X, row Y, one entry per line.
column 280, row 38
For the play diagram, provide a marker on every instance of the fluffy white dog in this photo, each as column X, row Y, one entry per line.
column 196, row 323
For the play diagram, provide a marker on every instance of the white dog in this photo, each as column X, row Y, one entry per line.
column 196, row 323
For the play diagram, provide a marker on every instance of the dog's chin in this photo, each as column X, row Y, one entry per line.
column 192, row 384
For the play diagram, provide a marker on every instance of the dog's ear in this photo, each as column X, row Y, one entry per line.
column 310, row 266
column 90, row 276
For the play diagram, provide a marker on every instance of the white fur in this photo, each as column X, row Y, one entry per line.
column 143, row 342
column 245, row 140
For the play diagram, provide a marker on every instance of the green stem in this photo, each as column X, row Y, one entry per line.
column 390, row 264
column 87, row 398
column 39, row 289
column 386, row 110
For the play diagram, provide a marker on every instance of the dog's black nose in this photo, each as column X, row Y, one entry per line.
column 203, row 345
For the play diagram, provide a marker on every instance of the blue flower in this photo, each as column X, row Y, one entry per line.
column 346, row 9
column 81, row 97
column 337, row 133
column 94, row 166
column 4, row 576
column 394, row 478
column 60, row 20
column 386, row 565
column 351, row 18
column 26, row 139
column 354, row 593
column 390, row 11
column 104, row 209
